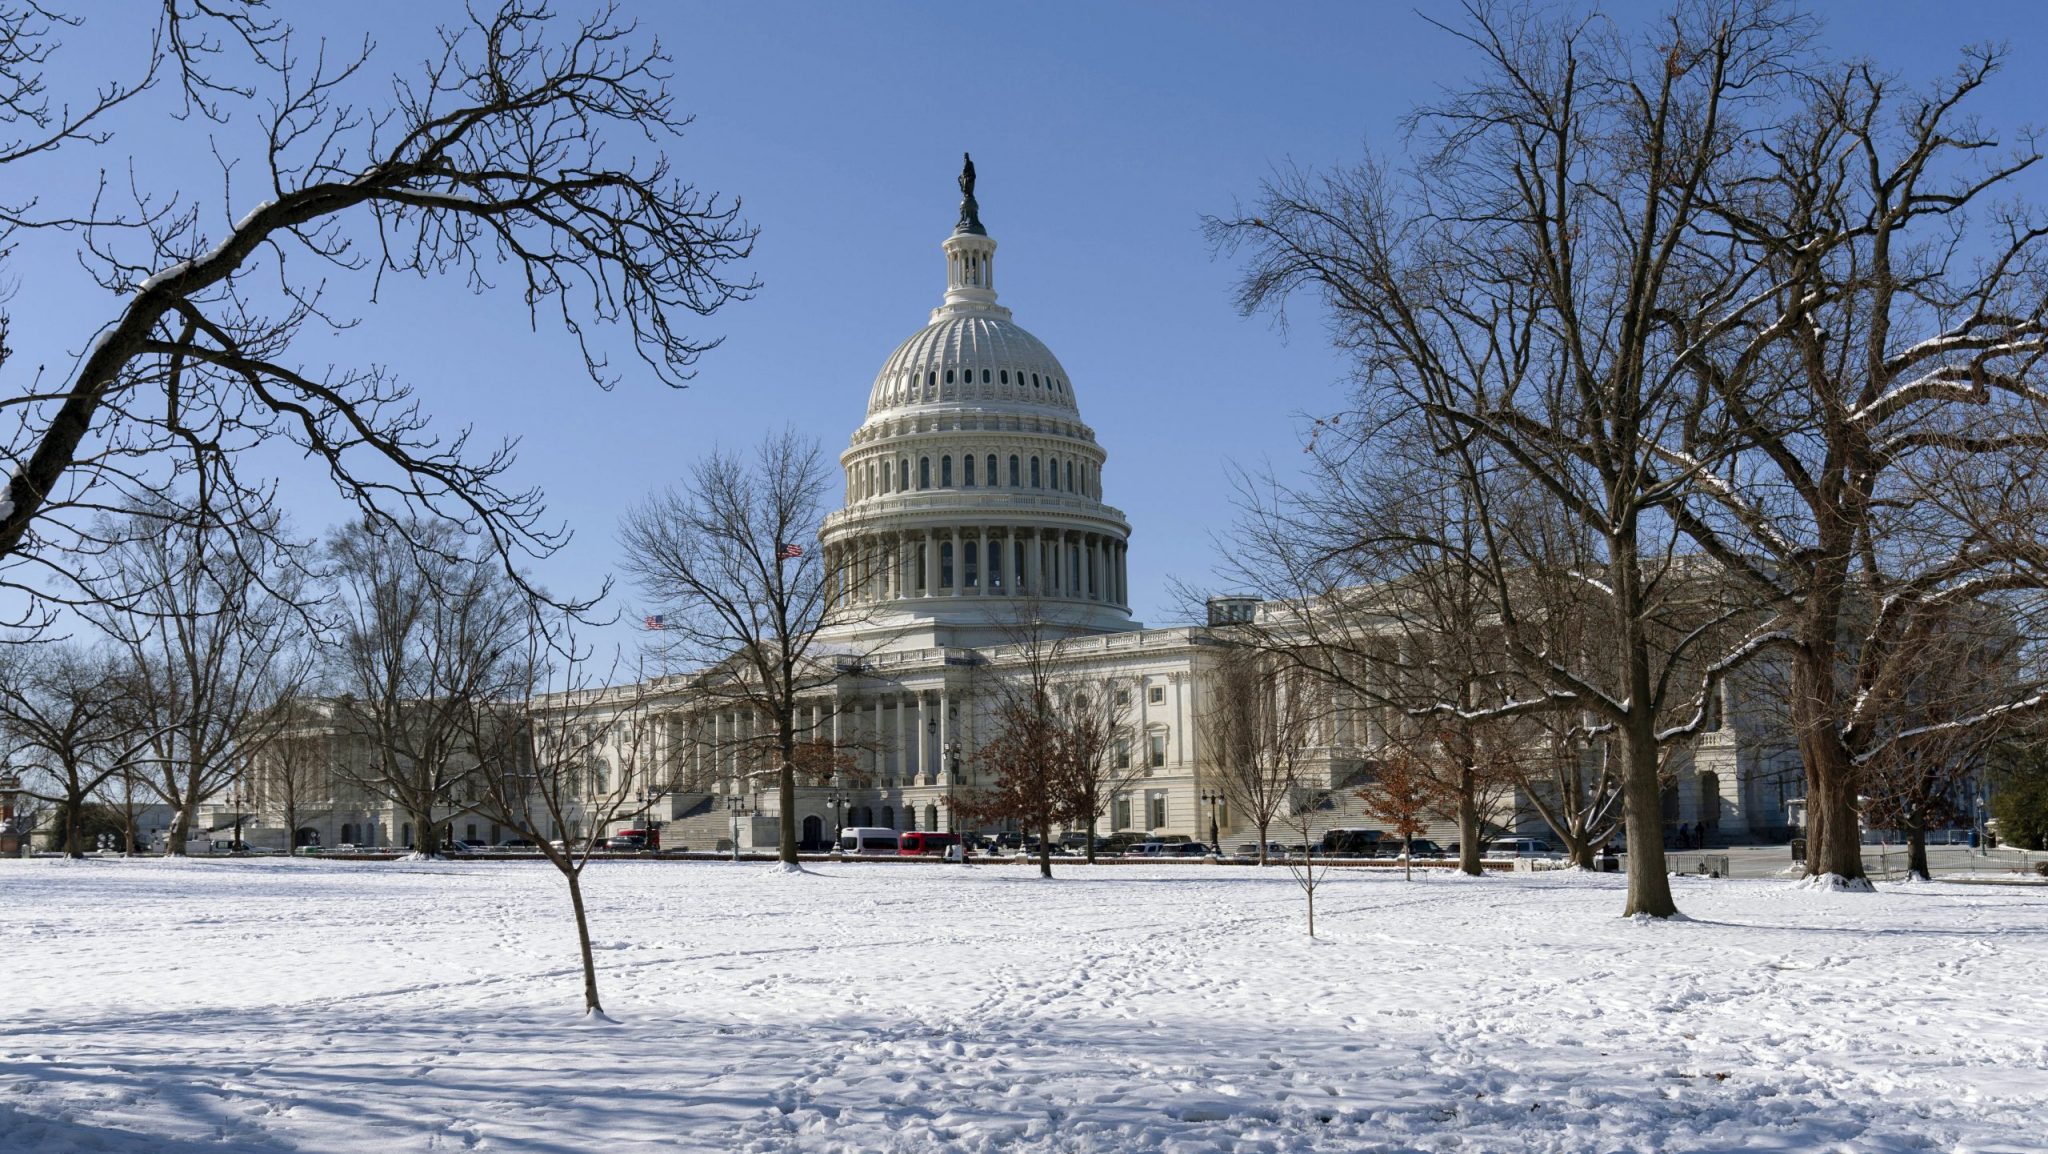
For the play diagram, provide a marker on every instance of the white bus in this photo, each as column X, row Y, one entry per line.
column 867, row 839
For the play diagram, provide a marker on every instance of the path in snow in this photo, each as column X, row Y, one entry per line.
column 264, row 1006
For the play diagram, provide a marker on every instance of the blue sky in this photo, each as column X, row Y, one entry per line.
column 1101, row 134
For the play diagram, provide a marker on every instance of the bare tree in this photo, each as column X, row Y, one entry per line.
column 527, row 148
column 1523, row 293
column 294, row 771
column 1886, row 400
column 1241, row 728
column 1095, row 721
column 1029, row 758
column 1962, row 668
column 560, row 760
column 730, row 561
column 205, row 617
column 426, row 632
column 61, row 711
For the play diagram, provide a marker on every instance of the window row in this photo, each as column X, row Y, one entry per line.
column 1058, row 474
column 1046, row 383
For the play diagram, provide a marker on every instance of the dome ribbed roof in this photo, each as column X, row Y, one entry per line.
column 972, row 357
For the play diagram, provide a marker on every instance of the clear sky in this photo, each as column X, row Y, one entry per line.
column 1101, row 133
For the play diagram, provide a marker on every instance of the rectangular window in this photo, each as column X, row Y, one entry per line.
column 1156, row 695
column 1155, row 810
column 1123, row 813
column 1156, row 755
column 1123, row 697
column 1123, row 753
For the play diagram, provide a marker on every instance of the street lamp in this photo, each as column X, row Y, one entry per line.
column 1983, row 834
column 648, row 829
column 1214, row 797
column 952, row 806
column 734, row 803
column 237, row 798
column 837, row 800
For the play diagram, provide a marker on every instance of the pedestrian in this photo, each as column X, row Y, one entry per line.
column 1684, row 835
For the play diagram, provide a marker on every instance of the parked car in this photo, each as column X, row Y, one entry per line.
column 1417, row 849
column 461, row 846
column 516, row 843
column 1519, row 847
column 625, row 841
column 1186, row 849
column 1352, row 842
column 1146, row 849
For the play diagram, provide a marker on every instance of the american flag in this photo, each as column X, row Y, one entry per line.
column 787, row 551
column 657, row 621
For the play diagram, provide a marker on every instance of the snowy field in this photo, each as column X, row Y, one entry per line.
column 319, row 1006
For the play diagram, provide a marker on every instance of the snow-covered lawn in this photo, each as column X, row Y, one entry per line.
column 395, row 1007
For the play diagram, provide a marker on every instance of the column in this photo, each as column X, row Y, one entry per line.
column 931, row 563
column 902, row 746
column 924, row 756
column 945, row 729
column 981, row 545
column 959, row 566
column 1036, row 587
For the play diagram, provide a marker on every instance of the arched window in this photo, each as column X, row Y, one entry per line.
column 1034, row 380
column 946, row 472
column 1036, row 483
column 992, row 470
column 924, row 472
column 1003, row 378
column 967, row 470
column 1070, row 476
column 984, row 376
column 910, row 818
column 1013, row 471
column 945, row 565
column 903, row 475
column 931, row 380
column 995, row 565
column 1017, row 566
column 889, row 817
column 970, row 557
column 931, row 817
column 949, row 376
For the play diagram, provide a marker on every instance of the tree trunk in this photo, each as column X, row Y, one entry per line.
column 1834, row 844
column 590, row 1002
column 1916, row 850
column 1045, row 848
column 1263, row 830
column 1649, row 885
column 179, row 833
column 74, row 838
column 1580, row 851
column 1468, row 825
column 426, row 836
column 1092, row 819
column 1310, row 890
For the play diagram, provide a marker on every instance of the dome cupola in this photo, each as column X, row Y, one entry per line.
column 973, row 487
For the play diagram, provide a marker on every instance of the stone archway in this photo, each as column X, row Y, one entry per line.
column 814, row 833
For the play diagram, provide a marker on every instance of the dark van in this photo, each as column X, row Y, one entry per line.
column 1352, row 843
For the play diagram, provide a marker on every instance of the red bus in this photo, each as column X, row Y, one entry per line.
column 925, row 844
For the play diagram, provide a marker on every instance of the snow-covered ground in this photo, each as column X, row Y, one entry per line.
column 246, row 1006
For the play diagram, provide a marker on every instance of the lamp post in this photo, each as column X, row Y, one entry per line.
column 1983, row 834
column 838, row 801
column 1213, row 797
column 237, row 798
column 952, row 806
column 647, row 797
column 735, row 803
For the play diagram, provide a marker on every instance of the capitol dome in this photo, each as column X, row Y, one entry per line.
column 973, row 488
